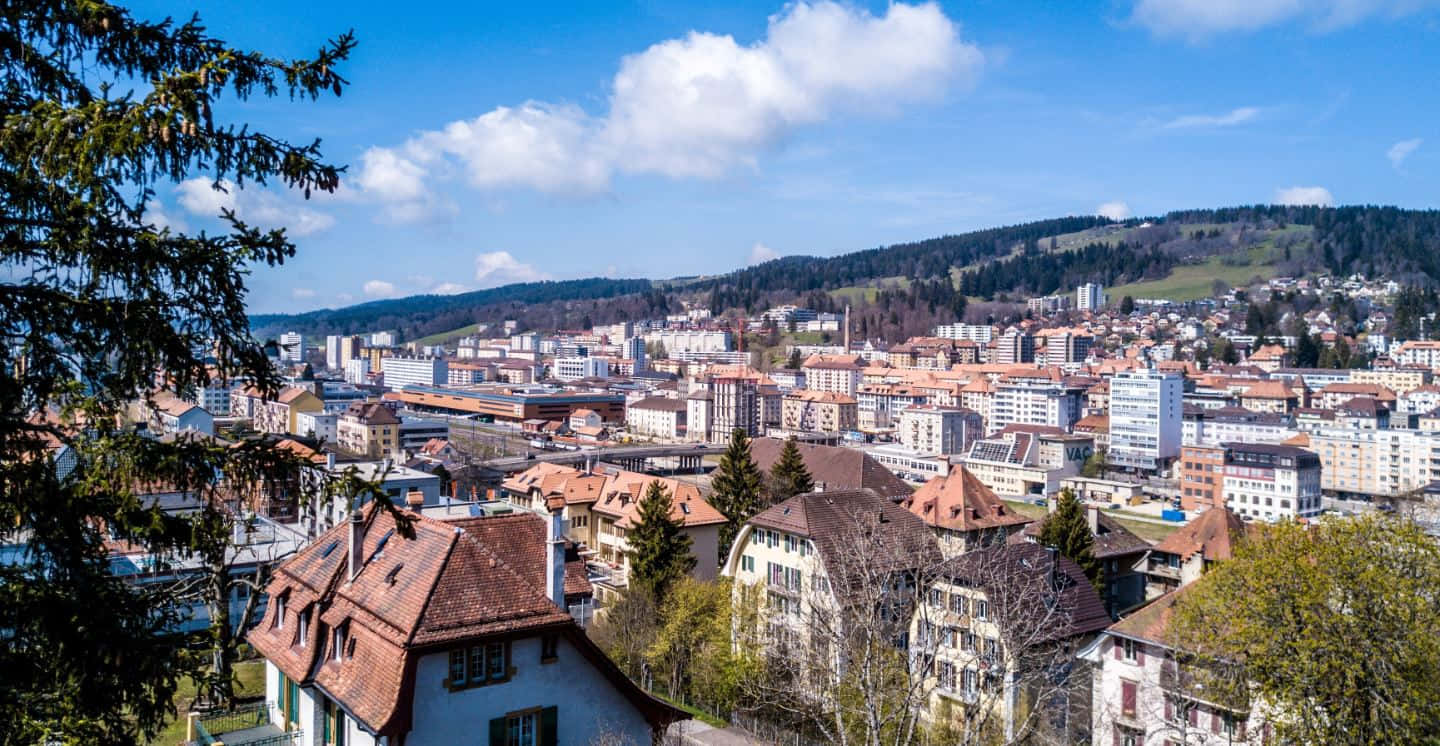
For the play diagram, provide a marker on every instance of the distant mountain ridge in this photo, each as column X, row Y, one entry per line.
column 1031, row 258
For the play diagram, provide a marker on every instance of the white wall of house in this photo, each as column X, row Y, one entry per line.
column 588, row 703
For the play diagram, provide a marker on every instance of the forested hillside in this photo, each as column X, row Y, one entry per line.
column 904, row 288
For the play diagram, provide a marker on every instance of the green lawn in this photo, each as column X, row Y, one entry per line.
column 1193, row 281
column 450, row 336
column 251, row 675
column 1151, row 532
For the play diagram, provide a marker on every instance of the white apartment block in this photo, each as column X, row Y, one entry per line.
column 382, row 339
column 1033, row 400
column 1145, row 418
column 576, row 368
column 332, row 351
column 1090, row 297
column 838, row 373
column 415, row 371
column 1370, row 463
column 320, row 425
column 656, row 417
column 1210, row 428
column 879, row 404
column 357, row 370
column 931, row 429
column 978, row 333
column 1422, row 353
column 292, row 347
column 690, row 341
column 1271, row 482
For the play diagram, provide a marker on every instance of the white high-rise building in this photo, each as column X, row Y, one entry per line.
column 933, row 429
column 383, row 339
column 1146, row 422
column 1090, row 297
column 292, row 347
column 357, row 370
column 633, row 348
column 577, row 367
column 978, row 333
column 333, row 361
column 419, row 371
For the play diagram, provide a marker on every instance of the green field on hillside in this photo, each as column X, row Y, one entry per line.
column 1193, row 281
column 450, row 336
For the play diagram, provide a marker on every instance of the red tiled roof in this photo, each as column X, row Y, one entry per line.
column 450, row 583
column 1213, row 534
column 961, row 502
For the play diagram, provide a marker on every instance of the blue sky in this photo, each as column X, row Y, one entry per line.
column 490, row 143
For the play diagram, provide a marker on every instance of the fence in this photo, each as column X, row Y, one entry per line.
column 757, row 728
column 213, row 727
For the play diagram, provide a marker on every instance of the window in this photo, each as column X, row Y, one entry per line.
column 337, row 641
column 982, row 608
column 534, row 727
column 302, row 628
column 334, row 731
column 947, row 675
column 479, row 665
column 790, row 543
column 579, row 521
column 1129, row 649
column 747, row 563
column 1127, row 698
column 772, row 539
column 279, row 622
column 549, row 648
column 959, row 604
column 937, row 598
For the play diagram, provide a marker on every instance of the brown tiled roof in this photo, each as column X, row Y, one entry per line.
column 1213, row 534
column 372, row 413
column 290, row 394
column 961, row 502
column 660, row 403
column 832, row 519
column 573, row 484
column 621, row 493
column 1112, row 539
column 1268, row 390
column 520, row 538
column 1093, row 423
column 449, row 584
column 835, row 467
column 1150, row 621
column 1005, row 569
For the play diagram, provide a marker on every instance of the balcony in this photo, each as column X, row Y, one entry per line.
column 247, row 725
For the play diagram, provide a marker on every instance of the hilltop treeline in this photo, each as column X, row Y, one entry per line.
column 1036, row 273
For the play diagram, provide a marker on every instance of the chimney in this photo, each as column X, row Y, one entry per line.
column 1092, row 516
column 847, row 328
column 555, row 553
column 415, row 499
column 357, row 540
column 1054, row 566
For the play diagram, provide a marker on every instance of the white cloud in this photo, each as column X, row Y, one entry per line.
column 344, row 297
column 448, row 288
column 761, row 253
column 302, row 293
column 497, row 268
column 1402, row 150
column 1198, row 121
column 379, row 289
column 158, row 216
column 1304, row 195
column 699, row 106
column 256, row 205
column 1198, row 19
column 1114, row 210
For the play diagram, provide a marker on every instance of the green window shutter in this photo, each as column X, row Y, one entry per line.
column 549, row 718
column 497, row 732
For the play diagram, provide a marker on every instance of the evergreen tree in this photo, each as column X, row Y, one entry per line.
column 794, row 362
column 1127, row 305
column 659, row 548
column 1067, row 529
column 102, row 111
column 737, row 484
column 789, row 477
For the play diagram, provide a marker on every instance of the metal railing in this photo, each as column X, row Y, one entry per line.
column 212, row 728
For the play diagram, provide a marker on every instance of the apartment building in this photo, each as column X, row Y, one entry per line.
column 1145, row 419
column 414, row 371
column 277, row 416
column 357, row 370
column 1202, row 477
column 1375, row 463
column 578, row 367
column 292, row 347
column 1271, row 482
column 369, row 429
column 808, row 410
column 978, row 333
column 838, row 373
column 1421, row 354
column 990, row 618
column 931, row 429
column 1034, row 398
column 833, row 467
column 1210, row 427
column 1090, row 297
column 656, row 417
column 879, row 404
column 1014, row 347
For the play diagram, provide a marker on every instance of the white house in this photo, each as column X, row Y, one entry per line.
column 457, row 635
